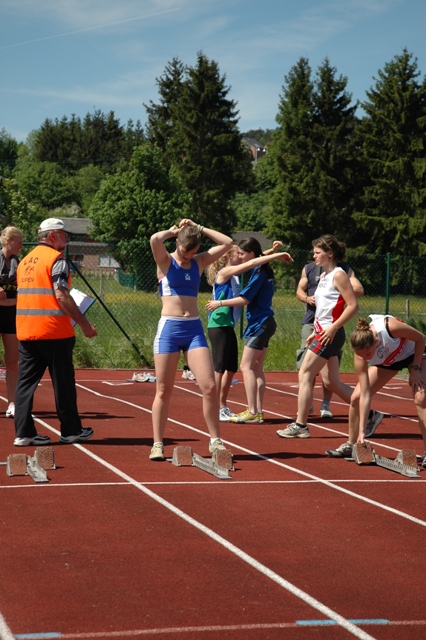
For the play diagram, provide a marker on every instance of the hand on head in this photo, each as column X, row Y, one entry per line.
column 186, row 221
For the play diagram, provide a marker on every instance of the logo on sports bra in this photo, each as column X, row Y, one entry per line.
column 187, row 276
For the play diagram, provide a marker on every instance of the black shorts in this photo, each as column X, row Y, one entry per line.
column 397, row 366
column 8, row 319
column 224, row 349
column 328, row 350
column 260, row 340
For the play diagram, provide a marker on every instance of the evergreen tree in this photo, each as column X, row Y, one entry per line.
column 314, row 158
column 133, row 137
column 292, row 216
column 99, row 140
column 336, row 161
column 206, row 146
column 392, row 211
column 8, row 153
column 195, row 126
column 161, row 116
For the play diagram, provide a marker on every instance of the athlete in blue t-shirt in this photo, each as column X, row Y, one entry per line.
column 257, row 296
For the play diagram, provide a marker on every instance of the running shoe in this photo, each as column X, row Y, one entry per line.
column 10, row 411
column 344, row 451
column 294, row 431
column 325, row 412
column 261, row 418
column 143, row 377
column 216, row 445
column 225, row 414
column 187, row 374
column 157, row 452
column 374, row 419
column 424, row 460
column 247, row 417
column 34, row 440
column 85, row 434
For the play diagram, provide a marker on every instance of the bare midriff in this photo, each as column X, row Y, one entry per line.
column 180, row 306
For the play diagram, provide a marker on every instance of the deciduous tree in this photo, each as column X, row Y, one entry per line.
column 133, row 204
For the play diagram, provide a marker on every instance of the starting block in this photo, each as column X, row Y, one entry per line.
column 404, row 463
column 219, row 465
column 19, row 464
column 363, row 453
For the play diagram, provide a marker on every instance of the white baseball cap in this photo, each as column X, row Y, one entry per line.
column 52, row 224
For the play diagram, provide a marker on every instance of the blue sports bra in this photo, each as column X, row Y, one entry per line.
column 179, row 281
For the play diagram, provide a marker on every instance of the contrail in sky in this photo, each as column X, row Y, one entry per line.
column 100, row 26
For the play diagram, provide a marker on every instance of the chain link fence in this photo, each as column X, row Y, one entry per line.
column 128, row 306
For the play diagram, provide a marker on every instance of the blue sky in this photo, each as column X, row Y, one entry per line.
column 64, row 57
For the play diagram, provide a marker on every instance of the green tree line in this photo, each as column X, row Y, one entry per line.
column 357, row 170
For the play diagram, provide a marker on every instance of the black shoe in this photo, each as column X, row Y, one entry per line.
column 85, row 434
column 374, row 419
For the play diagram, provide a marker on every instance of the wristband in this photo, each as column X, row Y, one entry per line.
column 200, row 228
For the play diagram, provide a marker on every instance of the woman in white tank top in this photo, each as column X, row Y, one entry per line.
column 335, row 303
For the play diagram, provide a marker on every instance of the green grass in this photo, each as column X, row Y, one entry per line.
column 137, row 313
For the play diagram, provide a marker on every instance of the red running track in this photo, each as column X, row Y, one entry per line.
column 296, row 545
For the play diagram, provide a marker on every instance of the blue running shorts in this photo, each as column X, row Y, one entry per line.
column 179, row 334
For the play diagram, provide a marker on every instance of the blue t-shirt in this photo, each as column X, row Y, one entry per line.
column 259, row 291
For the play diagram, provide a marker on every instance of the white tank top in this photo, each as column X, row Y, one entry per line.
column 389, row 350
column 328, row 301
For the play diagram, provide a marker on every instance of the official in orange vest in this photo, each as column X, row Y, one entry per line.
column 46, row 337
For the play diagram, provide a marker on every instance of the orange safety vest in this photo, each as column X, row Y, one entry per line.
column 39, row 316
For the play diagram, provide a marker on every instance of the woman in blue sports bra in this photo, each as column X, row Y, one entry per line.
column 180, row 328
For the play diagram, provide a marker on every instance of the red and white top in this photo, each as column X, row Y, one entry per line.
column 328, row 301
column 388, row 349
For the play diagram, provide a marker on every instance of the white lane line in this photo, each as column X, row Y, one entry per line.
column 229, row 546
column 5, row 632
column 327, row 483
column 321, row 427
column 344, row 404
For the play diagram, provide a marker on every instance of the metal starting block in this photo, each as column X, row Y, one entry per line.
column 219, row 466
column 16, row 464
column 19, row 464
column 363, row 453
column 45, row 457
column 404, row 463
